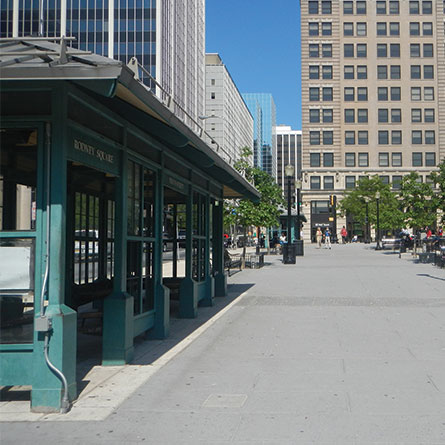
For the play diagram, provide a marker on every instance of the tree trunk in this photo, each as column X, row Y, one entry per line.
column 243, row 257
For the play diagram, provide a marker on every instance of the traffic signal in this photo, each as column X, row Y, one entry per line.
column 332, row 200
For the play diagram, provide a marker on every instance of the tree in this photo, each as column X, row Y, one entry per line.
column 390, row 214
column 418, row 201
column 264, row 213
column 438, row 178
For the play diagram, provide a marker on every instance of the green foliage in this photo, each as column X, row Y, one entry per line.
column 418, row 201
column 439, row 179
column 390, row 214
column 246, row 213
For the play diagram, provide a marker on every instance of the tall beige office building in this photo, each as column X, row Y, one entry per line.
column 373, row 96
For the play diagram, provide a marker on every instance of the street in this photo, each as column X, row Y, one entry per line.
column 345, row 347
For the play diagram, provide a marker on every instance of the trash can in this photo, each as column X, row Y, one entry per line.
column 299, row 247
column 289, row 253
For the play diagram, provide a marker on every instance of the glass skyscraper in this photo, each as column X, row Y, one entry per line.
column 262, row 108
column 166, row 36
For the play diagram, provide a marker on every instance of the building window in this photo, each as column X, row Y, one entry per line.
column 427, row 28
column 349, row 115
column 314, row 116
column 429, row 115
column 328, row 159
column 383, row 159
column 428, row 72
column 414, row 50
column 314, row 72
column 362, row 115
column 428, row 93
column 384, row 179
column 381, row 7
column 396, row 182
column 328, row 115
column 362, row 138
column 349, row 72
column 361, row 50
column 394, row 7
column 416, row 93
column 348, row 50
column 428, row 50
column 326, row 7
column 326, row 49
column 416, row 115
column 415, row 72
column 394, row 50
column 417, row 159
column 349, row 94
column 348, row 29
column 414, row 7
column 315, row 159
column 430, row 159
column 361, row 29
column 383, row 115
column 328, row 182
column 430, row 137
column 327, row 94
column 381, row 28
column 396, row 93
column 212, row 82
column 349, row 159
column 395, row 71
column 313, row 29
column 382, row 50
column 212, row 96
column 394, row 30
column 350, row 182
column 327, row 71
column 363, row 160
column 414, row 29
column 396, row 115
column 427, row 7
column 314, row 138
column 348, row 7
column 360, row 7
column 383, row 137
column 314, row 50
column 326, row 29
column 328, row 137
column 314, row 94
column 416, row 137
column 313, row 7
column 396, row 137
column 396, row 159
column 382, row 93
column 382, row 72
column 362, row 93
column 349, row 137
column 315, row 182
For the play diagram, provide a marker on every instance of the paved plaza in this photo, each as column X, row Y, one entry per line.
column 345, row 347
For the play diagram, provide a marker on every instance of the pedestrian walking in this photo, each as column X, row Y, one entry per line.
column 327, row 239
column 344, row 234
column 318, row 237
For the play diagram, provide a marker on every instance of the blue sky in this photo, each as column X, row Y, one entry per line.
column 259, row 42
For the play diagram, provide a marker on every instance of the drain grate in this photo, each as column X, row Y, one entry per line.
column 225, row 401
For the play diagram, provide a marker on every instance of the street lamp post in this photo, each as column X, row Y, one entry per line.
column 298, row 187
column 367, row 240
column 288, row 248
column 377, row 198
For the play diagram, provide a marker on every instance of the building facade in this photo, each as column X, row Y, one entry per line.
column 262, row 108
column 373, row 97
column 227, row 121
column 166, row 37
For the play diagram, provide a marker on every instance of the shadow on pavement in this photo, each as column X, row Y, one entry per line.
column 430, row 276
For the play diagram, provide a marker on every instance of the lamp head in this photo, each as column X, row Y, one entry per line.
column 377, row 195
column 289, row 170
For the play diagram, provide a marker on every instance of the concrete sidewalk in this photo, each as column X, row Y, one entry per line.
column 346, row 347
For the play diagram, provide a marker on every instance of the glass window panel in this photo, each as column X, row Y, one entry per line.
column 381, row 7
column 428, row 72
column 328, row 137
column 383, row 159
column 363, row 160
column 396, row 137
column 361, row 50
column 327, row 72
column 328, row 159
column 382, row 50
column 381, row 28
column 350, row 182
column 326, row 29
column 416, row 93
column 315, row 160
column 349, row 137
column 383, row 137
column 428, row 50
column 349, row 72
column 414, row 29
column 383, row 115
column 395, row 71
column 396, row 159
column 349, row 94
column 348, row 50
column 328, row 115
column 314, row 50
column 327, row 94
column 414, row 7
column 314, row 72
column 430, row 159
column 328, row 182
column 362, row 72
column 396, row 182
column 314, row 116
column 327, row 50
column 314, row 94
column 427, row 7
column 394, row 50
column 313, row 7
column 348, row 7
column 394, row 7
column 396, row 115
column 362, row 115
column 416, row 137
column 360, row 7
column 428, row 93
column 382, row 72
column 348, row 29
column 382, row 93
column 362, row 93
column 429, row 114
column 417, row 159
column 394, row 30
column 361, row 29
column 427, row 28
column 315, row 182
column 362, row 137
column 396, row 93
column 349, row 159
column 415, row 72
column 430, row 137
column 414, row 49
column 349, row 115
column 416, row 115
column 313, row 29
column 314, row 138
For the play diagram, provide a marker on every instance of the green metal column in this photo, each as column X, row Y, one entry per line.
column 188, row 295
column 218, row 250
column 118, row 307
column 210, row 281
column 47, row 388
column 162, row 293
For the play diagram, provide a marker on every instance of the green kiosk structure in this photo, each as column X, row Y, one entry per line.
column 110, row 205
